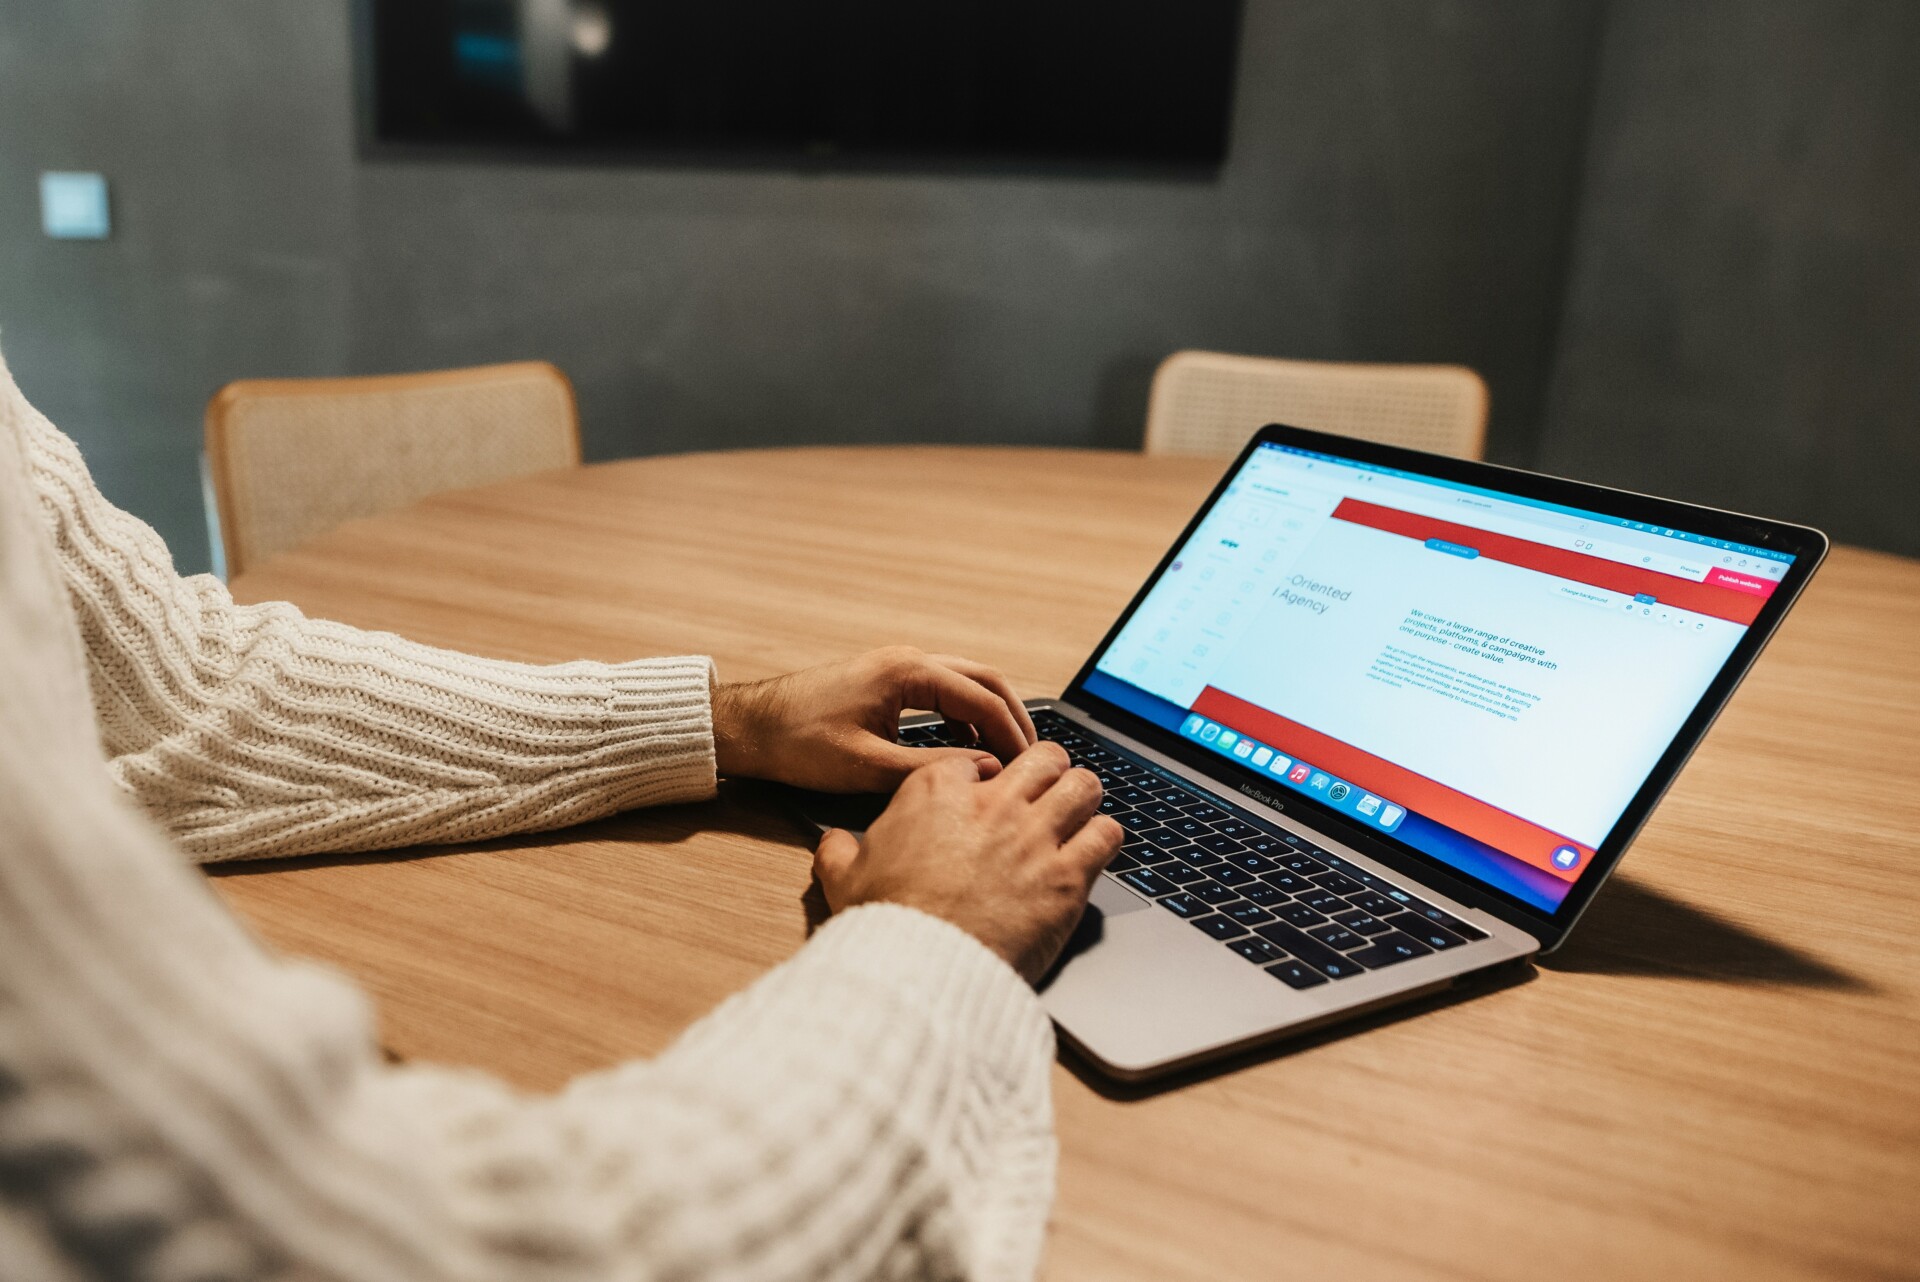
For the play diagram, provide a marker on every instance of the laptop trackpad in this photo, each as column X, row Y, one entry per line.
column 1114, row 900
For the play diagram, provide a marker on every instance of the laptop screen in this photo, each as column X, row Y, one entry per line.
column 1489, row 679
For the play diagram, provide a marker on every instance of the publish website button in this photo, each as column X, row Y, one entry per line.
column 1566, row 858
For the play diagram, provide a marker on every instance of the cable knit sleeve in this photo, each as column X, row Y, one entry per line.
column 176, row 1103
column 876, row 1108
column 254, row 730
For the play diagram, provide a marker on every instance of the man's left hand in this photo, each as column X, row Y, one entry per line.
column 833, row 728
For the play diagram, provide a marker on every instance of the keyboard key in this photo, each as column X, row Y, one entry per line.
column 1377, row 904
column 1264, row 895
column 1162, row 811
column 1430, row 933
column 1112, row 805
column 1193, row 855
column 1299, row 915
column 1121, row 768
column 1205, row 813
column 1176, row 797
column 1256, row 950
column 1405, row 900
column 1303, row 864
column 1180, row 874
column 1338, row 883
column 1213, row 892
column 1122, row 861
column 1309, row 950
column 1148, row 882
column 1291, row 882
column 1150, row 854
column 1221, row 844
column 1252, row 862
column 1234, row 828
column 1135, row 796
column 1165, row 838
column 1323, row 901
column 1296, row 974
column 1249, row 914
column 1184, row 905
column 1446, row 920
column 1230, row 875
column 1389, row 948
column 1134, row 821
column 1220, row 927
column 1094, row 755
column 1337, row 937
column 1190, row 827
column 1265, row 845
column 1361, row 923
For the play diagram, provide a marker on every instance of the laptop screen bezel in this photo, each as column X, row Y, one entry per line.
column 1806, row 545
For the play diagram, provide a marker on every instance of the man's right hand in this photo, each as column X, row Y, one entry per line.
column 1009, row 860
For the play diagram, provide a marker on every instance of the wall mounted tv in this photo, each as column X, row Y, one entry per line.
column 1122, row 84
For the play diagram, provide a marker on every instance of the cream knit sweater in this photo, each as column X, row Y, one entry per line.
column 177, row 1104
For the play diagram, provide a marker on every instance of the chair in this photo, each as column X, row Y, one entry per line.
column 291, row 458
column 1210, row 403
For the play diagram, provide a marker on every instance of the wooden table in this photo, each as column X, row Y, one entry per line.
column 1715, row 1079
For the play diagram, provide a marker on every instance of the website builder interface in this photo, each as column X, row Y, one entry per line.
column 1487, row 678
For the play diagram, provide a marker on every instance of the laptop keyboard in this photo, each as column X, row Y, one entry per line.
column 1302, row 914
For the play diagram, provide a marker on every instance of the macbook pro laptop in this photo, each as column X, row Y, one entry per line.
column 1379, row 722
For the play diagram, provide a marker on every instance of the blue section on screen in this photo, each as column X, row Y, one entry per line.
column 1131, row 698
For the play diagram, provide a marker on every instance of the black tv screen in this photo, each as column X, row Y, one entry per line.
column 1106, row 82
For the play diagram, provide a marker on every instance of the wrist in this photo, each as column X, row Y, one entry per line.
column 740, row 728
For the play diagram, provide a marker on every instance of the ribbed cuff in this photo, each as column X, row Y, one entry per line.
column 664, row 707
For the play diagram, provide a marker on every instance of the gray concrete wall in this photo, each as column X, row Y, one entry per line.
column 1743, row 319
column 1401, row 187
column 1679, row 240
column 220, row 127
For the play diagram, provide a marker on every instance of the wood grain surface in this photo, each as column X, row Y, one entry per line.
column 1714, row 1079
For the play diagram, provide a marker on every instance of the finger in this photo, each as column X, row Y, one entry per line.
column 993, row 680
column 1094, row 846
column 1070, row 802
column 961, row 698
column 889, row 763
column 1034, row 771
column 834, row 858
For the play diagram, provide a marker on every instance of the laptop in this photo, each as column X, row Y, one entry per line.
column 1379, row 723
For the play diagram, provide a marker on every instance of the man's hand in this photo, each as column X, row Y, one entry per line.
column 833, row 728
column 1008, row 860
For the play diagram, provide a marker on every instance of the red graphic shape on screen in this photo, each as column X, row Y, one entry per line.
column 1501, row 829
column 1719, row 599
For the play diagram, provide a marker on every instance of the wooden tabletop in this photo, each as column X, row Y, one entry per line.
column 1716, row 1078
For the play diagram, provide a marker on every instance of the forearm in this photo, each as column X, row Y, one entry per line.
column 253, row 730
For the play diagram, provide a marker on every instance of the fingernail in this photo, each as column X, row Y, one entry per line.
column 988, row 766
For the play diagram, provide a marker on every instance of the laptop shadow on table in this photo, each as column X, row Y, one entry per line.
column 1633, row 929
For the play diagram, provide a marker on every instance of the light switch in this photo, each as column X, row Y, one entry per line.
column 73, row 206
